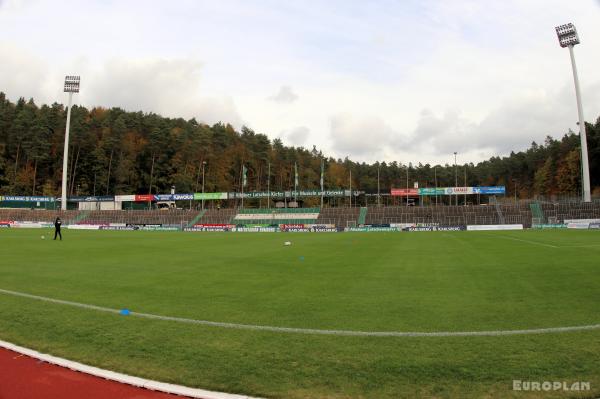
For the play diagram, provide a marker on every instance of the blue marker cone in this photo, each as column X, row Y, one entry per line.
column 124, row 312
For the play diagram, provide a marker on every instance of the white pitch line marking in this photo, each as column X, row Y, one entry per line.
column 310, row 330
column 530, row 242
column 580, row 246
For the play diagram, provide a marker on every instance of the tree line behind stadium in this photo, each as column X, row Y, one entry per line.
column 118, row 152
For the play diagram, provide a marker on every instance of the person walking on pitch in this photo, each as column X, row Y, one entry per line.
column 57, row 224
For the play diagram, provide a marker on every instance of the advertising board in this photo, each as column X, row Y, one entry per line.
column 452, row 228
column 256, row 229
column 489, row 190
column 26, row 198
column 578, row 225
column 125, row 198
column 495, row 227
column 431, row 191
column 404, row 192
column 91, row 198
column 84, row 226
column 458, row 190
column 144, row 197
column 210, row 227
column 209, row 196
column 369, row 229
column 119, row 228
column 31, row 225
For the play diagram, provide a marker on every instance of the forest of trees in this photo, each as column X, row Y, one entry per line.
column 117, row 152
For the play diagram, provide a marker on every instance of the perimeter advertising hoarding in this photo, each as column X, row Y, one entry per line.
column 293, row 194
column 365, row 229
column 209, row 196
column 462, row 190
column 173, row 197
column 484, row 227
column 144, row 197
column 159, row 228
column 31, row 225
column 91, row 198
column 85, row 226
column 125, row 198
column 256, row 229
column 208, row 228
column 26, row 198
column 451, row 228
column 183, row 197
column 489, row 190
column 293, row 228
column 458, row 190
column 163, row 197
column 404, row 192
column 118, row 228
column 431, row 191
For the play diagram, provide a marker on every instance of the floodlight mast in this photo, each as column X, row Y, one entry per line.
column 568, row 37
column 71, row 86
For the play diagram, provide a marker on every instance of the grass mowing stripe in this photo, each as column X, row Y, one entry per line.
column 310, row 330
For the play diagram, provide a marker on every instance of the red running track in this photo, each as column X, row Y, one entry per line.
column 23, row 377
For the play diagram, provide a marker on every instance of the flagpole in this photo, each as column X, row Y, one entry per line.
column 269, row 185
column 243, row 178
column 322, row 173
column 296, row 183
column 350, row 188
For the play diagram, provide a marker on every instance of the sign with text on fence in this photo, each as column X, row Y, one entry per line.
column 431, row 191
column 405, row 192
column 26, row 198
column 489, row 190
column 458, row 190
column 428, row 191
column 91, row 198
column 125, row 198
column 210, row 196
column 294, row 194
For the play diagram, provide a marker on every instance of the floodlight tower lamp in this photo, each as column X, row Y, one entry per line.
column 71, row 86
column 568, row 37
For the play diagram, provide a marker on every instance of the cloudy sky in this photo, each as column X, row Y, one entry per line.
column 411, row 81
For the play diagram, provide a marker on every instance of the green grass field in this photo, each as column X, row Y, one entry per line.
column 418, row 282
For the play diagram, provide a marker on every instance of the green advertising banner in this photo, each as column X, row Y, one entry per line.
column 292, row 194
column 431, row 191
column 210, row 196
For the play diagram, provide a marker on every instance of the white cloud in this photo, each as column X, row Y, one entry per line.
column 511, row 126
column 364, row 136
column 285, row 95
column 296, row 136
column 169, row 87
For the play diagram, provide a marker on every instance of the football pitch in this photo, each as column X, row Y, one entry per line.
column 334, row 315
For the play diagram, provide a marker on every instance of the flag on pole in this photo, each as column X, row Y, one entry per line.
column 295, row 175
column 322, row 173
column 244, row 177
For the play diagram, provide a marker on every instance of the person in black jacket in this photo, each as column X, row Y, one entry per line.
column 57, row 224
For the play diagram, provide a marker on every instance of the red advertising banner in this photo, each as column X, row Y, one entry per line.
column 291, row 226
column 405, row 192
column 144, row 197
